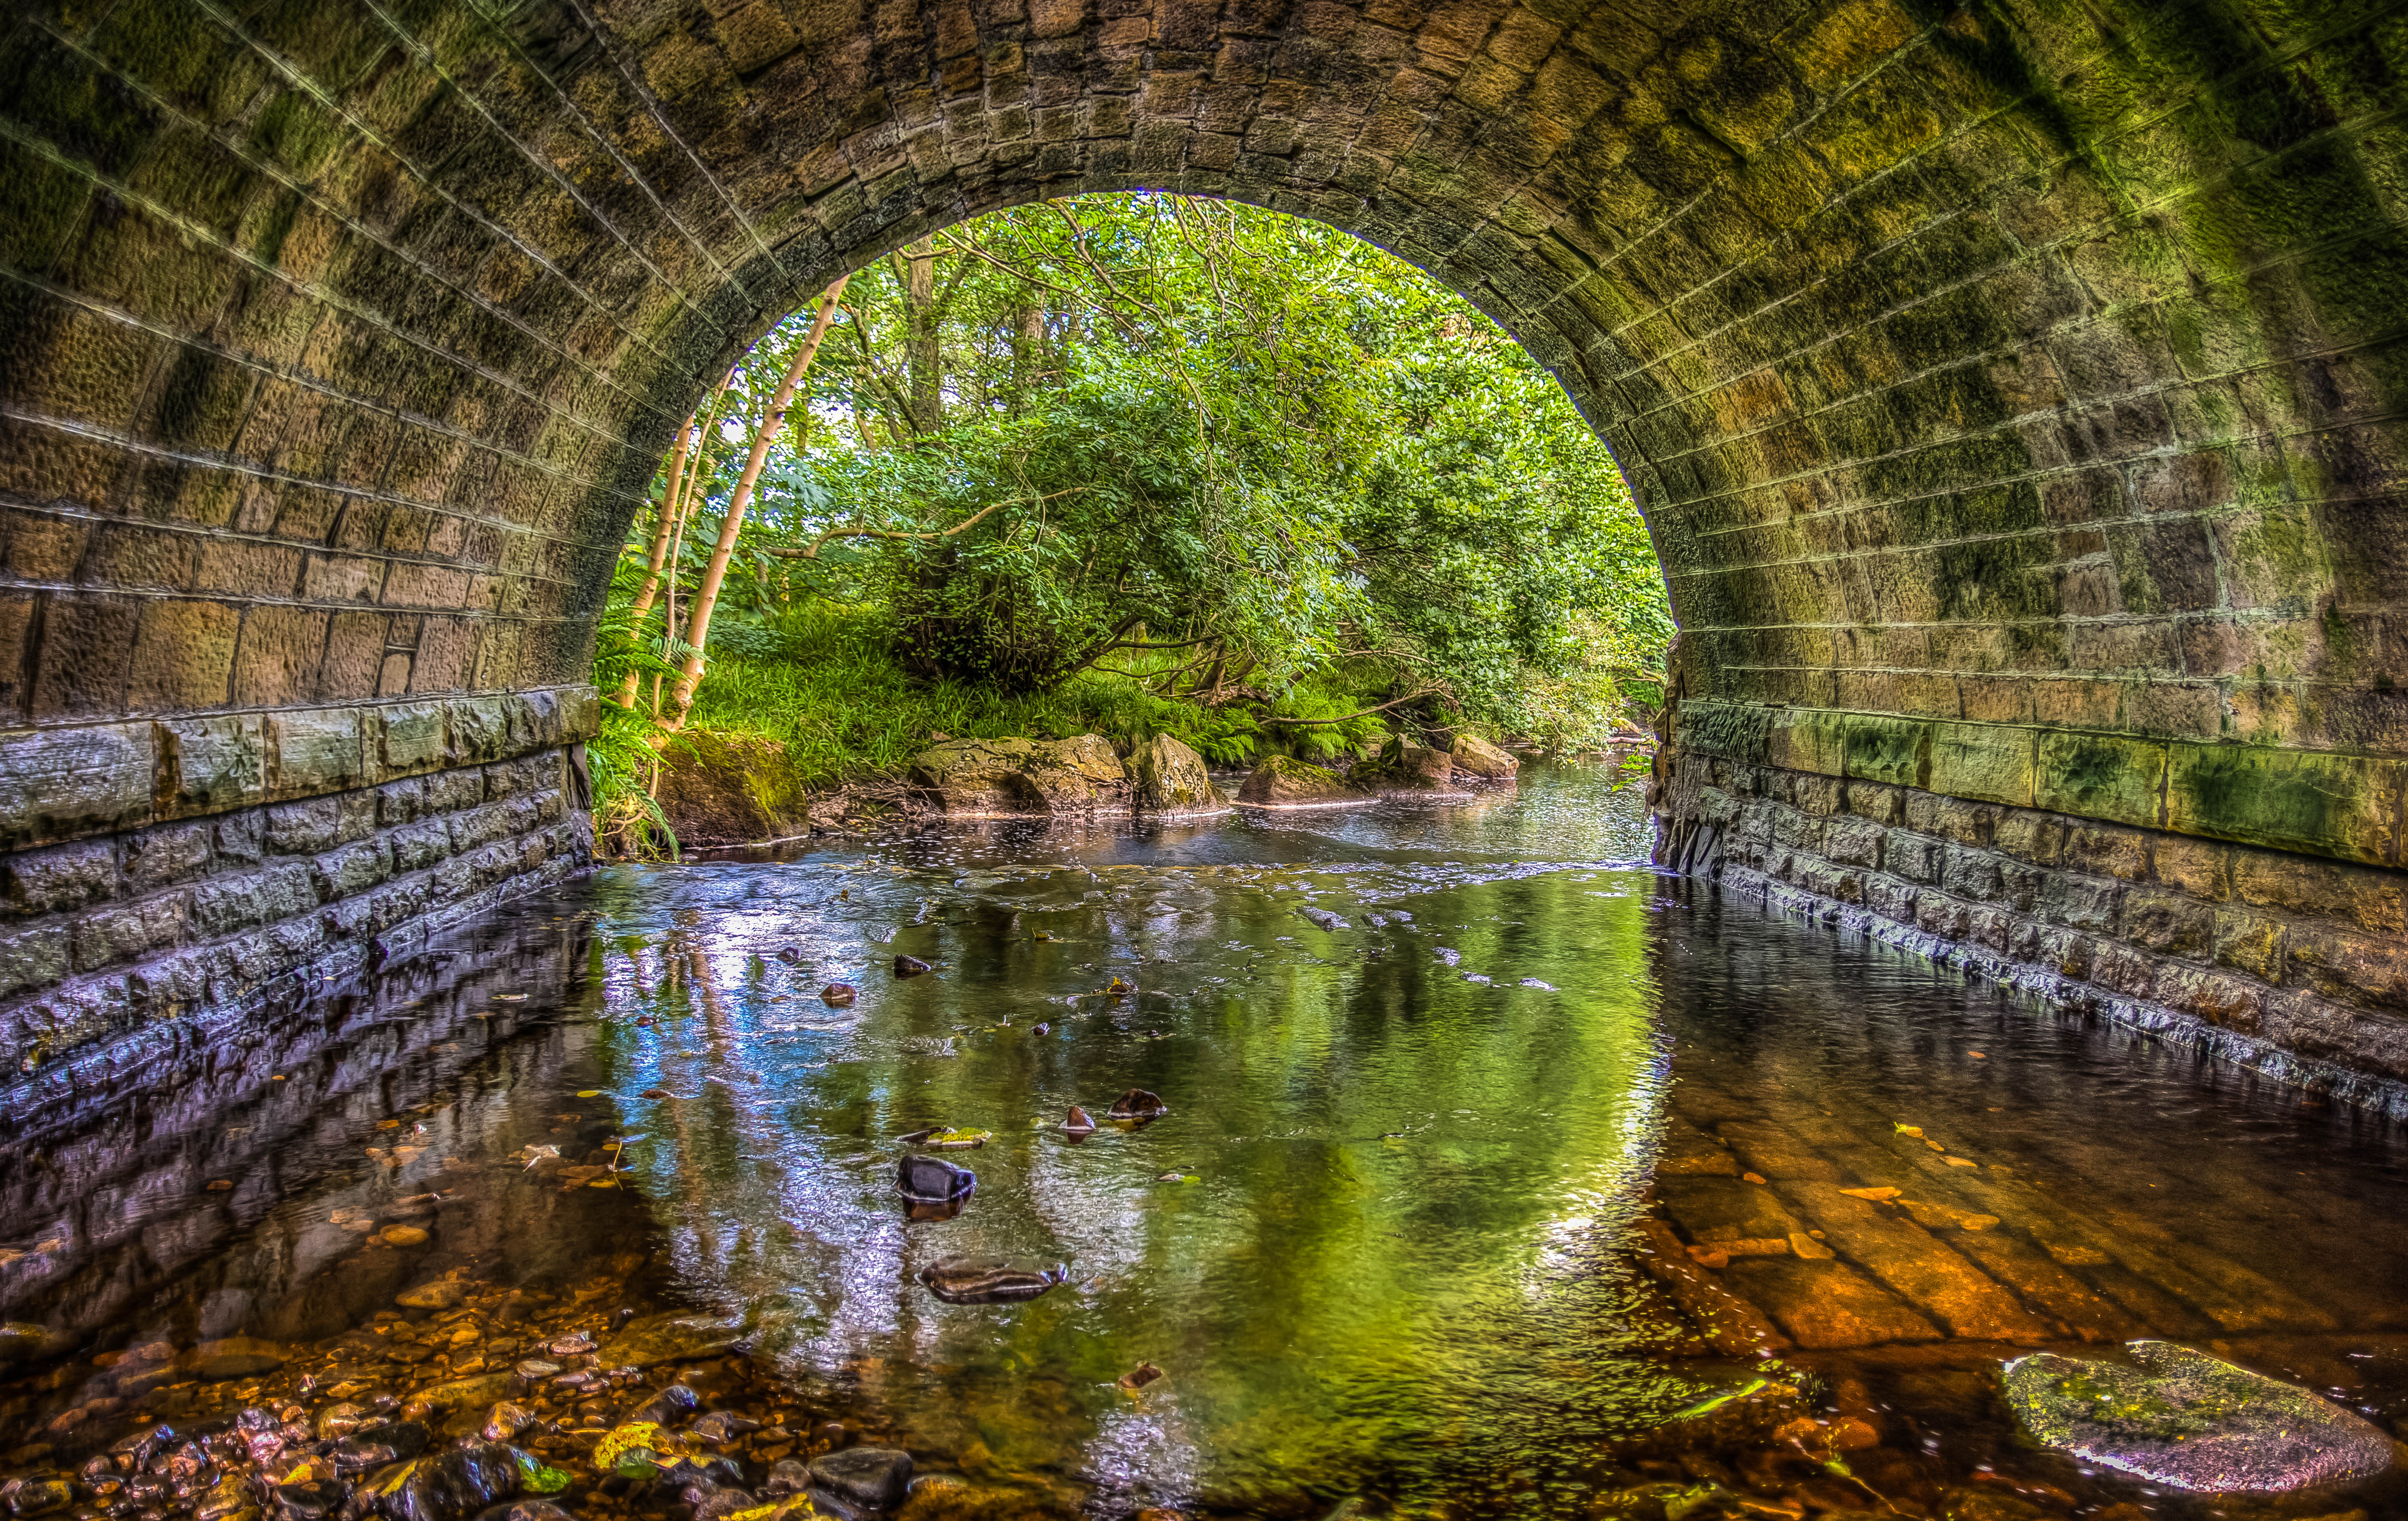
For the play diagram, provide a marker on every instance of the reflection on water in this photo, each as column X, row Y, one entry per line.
column 1371, row 1239
column 1458, row 1095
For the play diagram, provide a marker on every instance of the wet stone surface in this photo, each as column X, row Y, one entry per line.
column 1410, row 1160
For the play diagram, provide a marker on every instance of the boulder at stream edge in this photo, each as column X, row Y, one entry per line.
column 1475, row 757
column 1278, row 782
column 978, row 777
column 1172, row 779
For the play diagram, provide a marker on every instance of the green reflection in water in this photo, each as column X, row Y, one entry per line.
column 1391, row 1266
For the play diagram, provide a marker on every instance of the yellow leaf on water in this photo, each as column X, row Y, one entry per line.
column 1908, row 1130
column 1960, row 1161
column 1877, row 1195
column 589, row 1092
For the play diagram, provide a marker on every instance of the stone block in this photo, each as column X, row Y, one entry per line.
column 126, row 931
column 2170, row 924
column 2355, row 968
column 2029, row 836
column 1876, row 801
column 410, row 737
column 2119, row 969
column 1915, row 857
column 207, row 764
column 57, row 783
column 2249, row 942
column 240, row 837
column 33, row 957
column 165, row 854
column 1806, row 739
column 2100, row 776
column 579, row 716
column 400, row 802
column 2311, row 801
column 1890, row 897
column 1950, row 818
column 2364, row 897
column 352, row 868
column 2201, row 868
column 2108, row 850
column 420, row 845
column 1969, row 872
column 314, row 751
column 60, row 878
column 1852, row 842
column 226, row 905
column 2214, row 997
column 1892, row 749
column 448, row 792
column 303, row 828
column 481, row 729
column 2079, row 902
column 1993, row 763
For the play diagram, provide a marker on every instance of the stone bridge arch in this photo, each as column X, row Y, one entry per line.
column 2014, row 389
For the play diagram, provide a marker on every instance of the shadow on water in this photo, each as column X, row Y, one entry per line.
column 1488, row 1153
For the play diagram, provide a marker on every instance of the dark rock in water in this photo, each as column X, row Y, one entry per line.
column 403, row 1439
column 2189, row 1421
column 911, row 967
column 666, row 1408
column 1136, row 1104
column 669, row 1338
column 236, row 1357
column 308, row 1501
column 787, row 1477
column 722, row 1427
column 41, row 1497
column 988, row 1280
column 1324, row 919
column 723, row 1503
column 932, row 1179
column 1139, row 1376
column 839, row 995
column 790, row 953
column 1079, row 1122
column 872, row 1477
column 452, row 1486
column 525, row 1510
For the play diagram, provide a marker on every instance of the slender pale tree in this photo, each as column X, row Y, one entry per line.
column 674, row 489
column 773, row 422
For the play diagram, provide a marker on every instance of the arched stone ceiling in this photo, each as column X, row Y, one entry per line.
column 2013, row 388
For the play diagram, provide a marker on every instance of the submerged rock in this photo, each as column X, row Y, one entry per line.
column 1136, row 1104
column 874, row 1478
column 450, row 1485
column 932, row 1179
column 1172, row 779
column 243, row 1356
column 1278, row 782
column 989, row 1281
column 839, row 995
column 1324, row 919
column 1079, row 1122
column 668, row 1339
column 911, row 967
column 2190, row 1420
column 1475, row 757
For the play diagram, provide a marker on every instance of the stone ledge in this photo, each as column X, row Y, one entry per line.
column 59, row 785
column 2314, row 802
column 2156, row 1021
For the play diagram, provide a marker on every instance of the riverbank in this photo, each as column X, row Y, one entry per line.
column 808, row 722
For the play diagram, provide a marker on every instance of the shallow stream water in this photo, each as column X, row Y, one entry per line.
column 1453, row 1090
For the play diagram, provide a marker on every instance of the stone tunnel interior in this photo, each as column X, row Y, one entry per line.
column 2013, row 391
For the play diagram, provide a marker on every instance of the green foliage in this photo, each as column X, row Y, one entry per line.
column 1144, row 464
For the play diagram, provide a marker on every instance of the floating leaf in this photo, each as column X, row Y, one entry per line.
column 631, row 1451
column 1877, row 1195
column 959, row 1140
column 538, row 1477
column 1915, row 1130
column 589, row 1092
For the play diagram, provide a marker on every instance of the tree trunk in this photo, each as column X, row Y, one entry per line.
column 772, row 422
column 690, row 439
column 920, row 355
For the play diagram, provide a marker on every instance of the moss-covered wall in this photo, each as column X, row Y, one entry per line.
column 2018, row 363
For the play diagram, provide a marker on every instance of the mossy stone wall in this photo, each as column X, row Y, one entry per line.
column 2012, row 386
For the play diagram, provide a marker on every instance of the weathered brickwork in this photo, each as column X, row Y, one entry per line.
column 473, row 800
column 2291, row 964
column 1996, row 364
